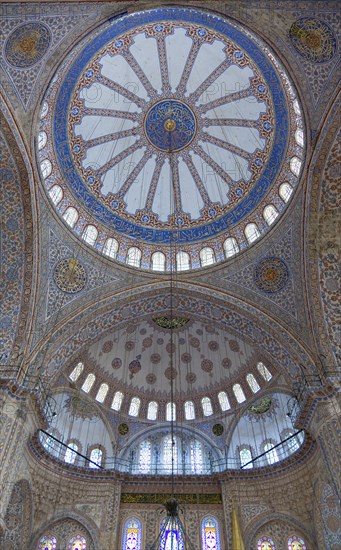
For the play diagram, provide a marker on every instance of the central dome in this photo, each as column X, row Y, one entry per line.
column 170, row 129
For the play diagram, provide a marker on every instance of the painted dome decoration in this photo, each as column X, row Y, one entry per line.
column 166, row 133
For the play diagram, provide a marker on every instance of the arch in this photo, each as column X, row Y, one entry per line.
column 207, row 256
column 70, row 454
column 182, row 261
column 252, row 232
column 102, row 392
column 158, row 261
column 134, row 406
column 132, row 534
column 223, row 401
column 134, row 255
column 46, row 168
column 252, row 382
column 231, row 247
column 42, row 139
column 170, row 412
column 265, row 543
column 56, row 194
column 117, row 401
column 206, row 406
column 264, row 371
column 76, row 372
column 47, row 542
column 88, row 382
column 71, row 216
column 271, row 453
column 96, row 456
column 295, row 166
column 110, row 248
column 238, row 393
column 189, row 410
column 270, row 213
column 64, row 528
column 245, row 456
column 152, row 410
column 90, row 234
column 285, row 191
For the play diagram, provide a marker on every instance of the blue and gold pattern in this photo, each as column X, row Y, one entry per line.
column 27, row 44
column 170, row 125
column 271, row 274
column 70, row 276
column 313, row 39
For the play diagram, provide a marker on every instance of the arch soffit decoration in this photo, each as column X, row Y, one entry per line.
column 19, row 153
column 71, row 337
column 327, row 136
column 83, row 519
column 263, row 519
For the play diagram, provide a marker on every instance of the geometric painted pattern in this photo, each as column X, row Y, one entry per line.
column 27, row 44
column 271, row 274
column 313, row 39
column 69, row 275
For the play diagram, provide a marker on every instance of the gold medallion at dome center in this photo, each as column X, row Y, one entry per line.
column 170, row 125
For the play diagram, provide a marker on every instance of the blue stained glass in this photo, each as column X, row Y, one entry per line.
column 132, row 535
column 210, row 534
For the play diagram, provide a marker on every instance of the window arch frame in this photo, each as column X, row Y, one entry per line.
column 207, row 256
column 46, row 537
column 125, row 533
column 91, row 449
column 237, row 388
column 86, row 234
column 135, row 403
column 251, row 237
column 134, row 255
column 110, row 248
column 272, row 216
column 72, row 220
column 92, row 377
column 252, row 383
column 118, row 398
column 72, row 452
column 104, row 388
column 231, row 250
column 76, row 371
column 285, row 195
column 203, row 524
column 206, row 405
column 157, row 264
column 56, row 194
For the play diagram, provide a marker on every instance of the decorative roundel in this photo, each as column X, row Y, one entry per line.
column 170, row 128
column 123, row 428
column 218, row 429
column 313, row 39
column 271, row 274
column 48, row 542
column 27, row 44
column 70, row 276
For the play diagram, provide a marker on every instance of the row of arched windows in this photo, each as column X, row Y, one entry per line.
column 294, row 542
column 49, row 542
column 172, row 538
column 269, row 448
column 153, row 406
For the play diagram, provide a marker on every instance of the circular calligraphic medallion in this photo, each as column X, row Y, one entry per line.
column 70, row 276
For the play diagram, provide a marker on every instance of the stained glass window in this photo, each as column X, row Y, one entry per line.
column 196, row 457
column 231, row 247
column 48, row 542
column 96, row 458
column 170, row 412
column 292, row 443
column 170, row 451
column 90, row 234
column 77, row 371
column 238, row 392
column 189, row 410
column 70, row 455
column 245, row 458
column 42, row 139
column 88, row 382
column 210, row 534
column 172, row 538
column 206, row 406
column 158, row 261
column 152, row 410
column 182, row 261
column 56, row 194
column 132, row 535
column 296, row 543
column 285, row 191
column 263, row 371
column 134, row 406
column 270, row 214
column 134, row 256
column 295, row 166
column 265, row 543
column 255, row 387
column 71, row 216
column 223, row 401
column 271, row 453
column 117, row 401
column 251, row 232
column 102, row 392
column 145, row 456
column 110, row 248
column 77, row 543
column 46, row 168
column 207, row 256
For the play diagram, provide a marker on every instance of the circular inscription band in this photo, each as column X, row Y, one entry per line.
column 170, row 125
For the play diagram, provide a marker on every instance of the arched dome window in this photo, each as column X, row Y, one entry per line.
column 245, row 457
column 117, row 401
column 90, row 234
column 295, row 166
column 77, row 543
column 231, row 247
column 71, row 216
column 223, row 401
column 238, row 392
column 206, row 406
column 88, row 382
column 271, row 453
column 182, row 261
column 47, row 542
column 70, row 454
column 197, row 462
column 96, row 456
column 152, row 410
column 110, row 248
column 44, row 110
column 158, row 261
column 102, row 393
column 285, row 191
column 46, row 168
column 296, row 543
column 270, row 214
column 251, row 232
column 255, row 387
column 207, row 256
column 264, row 371
column 299, row 137
column 132, row 535
column 170, row 454
column 42, row 139
column 77, row 371
column 134, row 256
column 170, row 412
column 145, row 456
column 134, row 407
column 56, row 194
column 264, row 543
column 189, row 410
